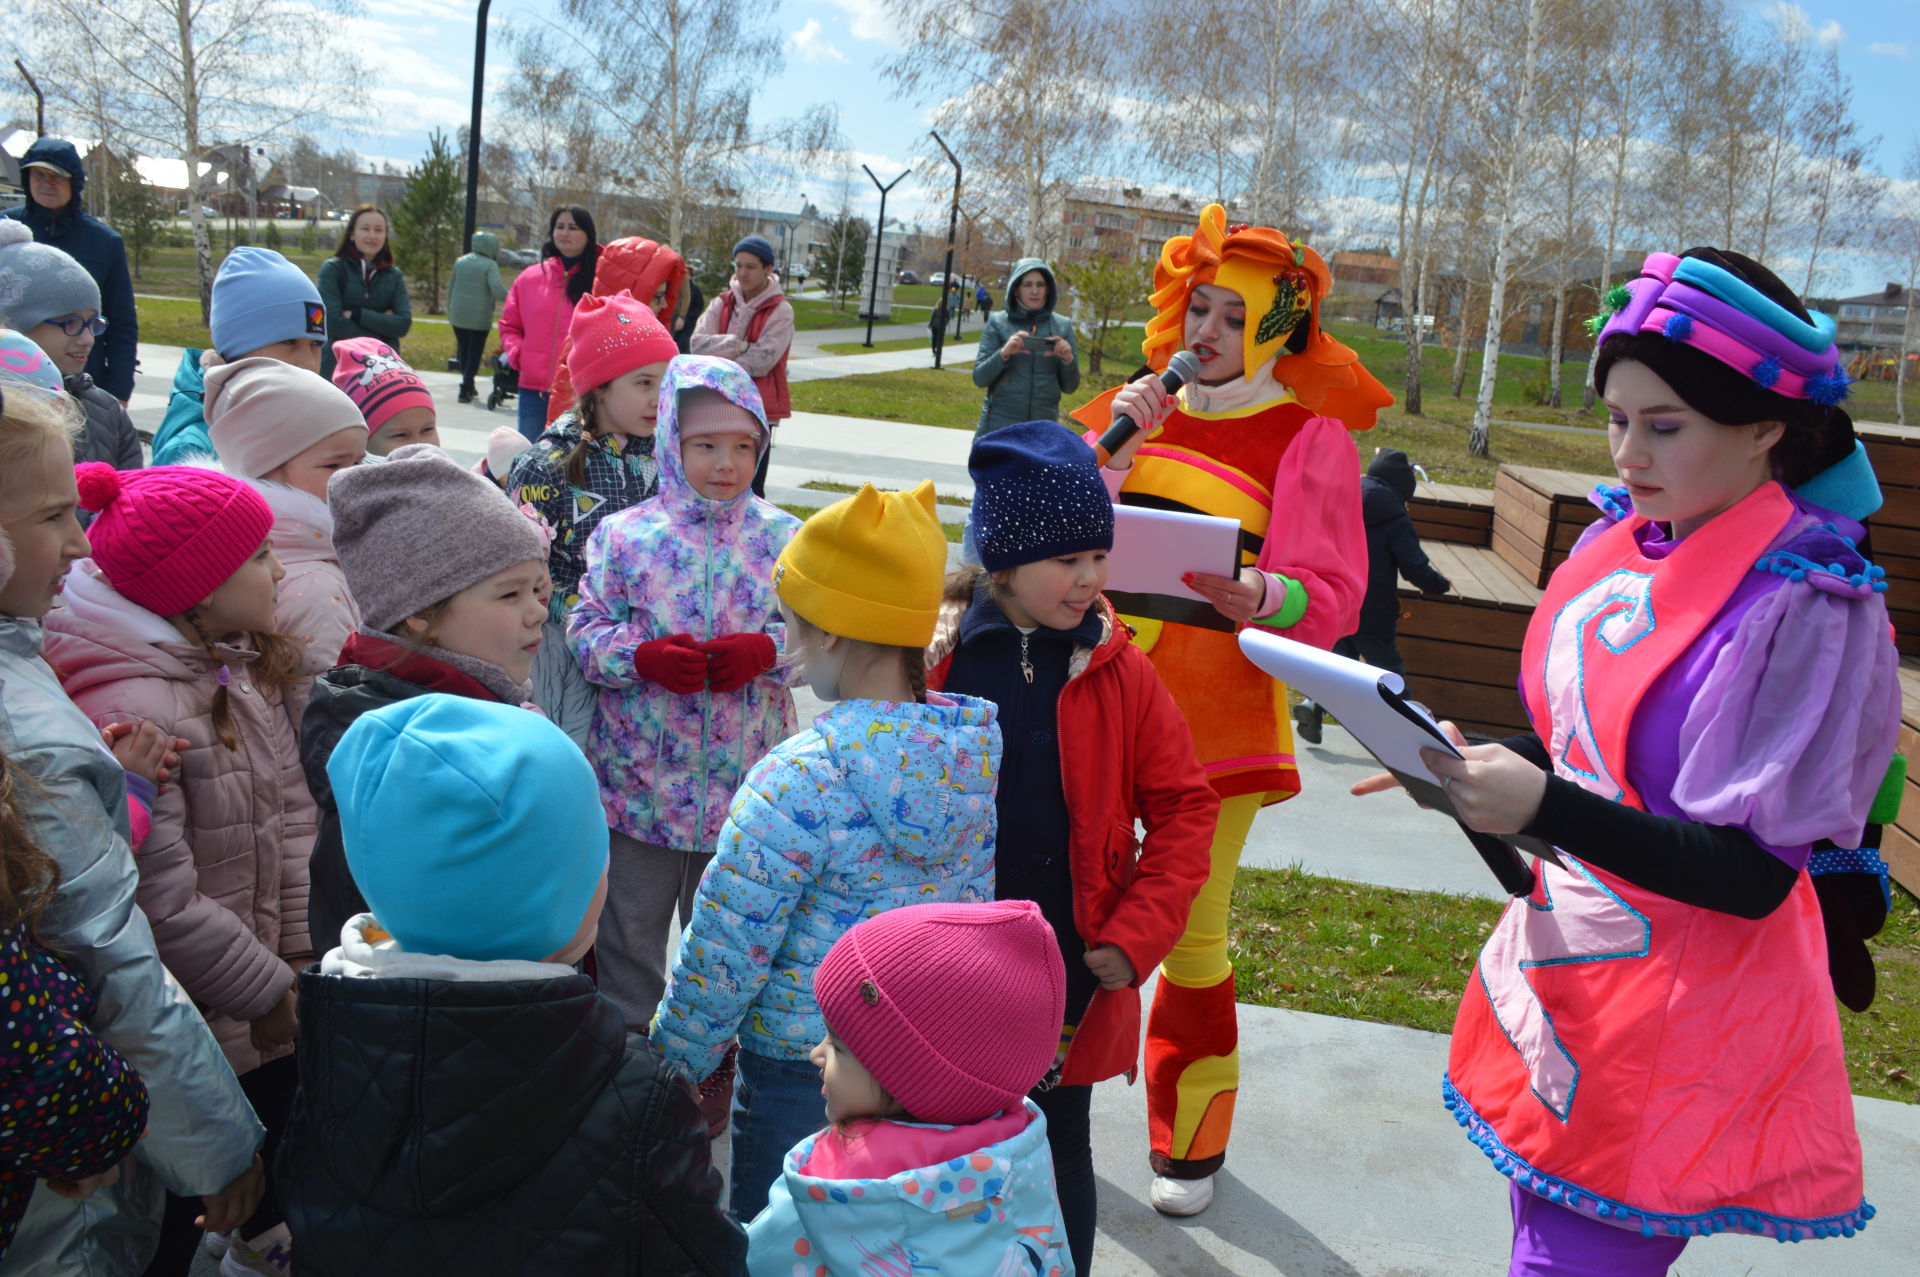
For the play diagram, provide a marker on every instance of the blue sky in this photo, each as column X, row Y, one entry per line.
column 834, row 47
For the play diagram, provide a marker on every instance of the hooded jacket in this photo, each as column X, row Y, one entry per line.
column 918, row 1217
column 628, row 264
column 533, row 323
column 1393, row 544
column 879, row 804
column 681, row 564
column 109, row 435
column 378, row 300
column 766, row 325
column 474, row 288
column 99, row 248
column 549, row 1144
column 1026, row 387
column 201, row 1133
column 223, row 873
column 183, row 432
column 1133, row 764
column 619, row 475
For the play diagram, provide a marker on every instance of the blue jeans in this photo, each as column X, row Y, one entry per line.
column 533, row 413
column 776, row 1104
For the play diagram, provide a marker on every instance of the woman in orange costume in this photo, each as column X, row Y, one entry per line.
column 1262, row 437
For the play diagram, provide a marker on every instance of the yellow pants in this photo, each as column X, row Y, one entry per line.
column 1193, row 1052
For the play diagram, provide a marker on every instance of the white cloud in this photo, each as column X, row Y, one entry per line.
column 811, row 47
column 1887, row 48
column 867, row 19
column 1796, row 26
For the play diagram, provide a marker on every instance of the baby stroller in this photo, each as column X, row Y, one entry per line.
column 506, row 382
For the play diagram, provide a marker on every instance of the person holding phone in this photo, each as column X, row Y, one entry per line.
column 1027, row 356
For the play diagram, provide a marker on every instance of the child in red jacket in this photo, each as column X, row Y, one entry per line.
column 1032, row 633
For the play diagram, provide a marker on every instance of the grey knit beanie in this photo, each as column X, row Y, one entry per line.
column 419, row 529
column 38, row 282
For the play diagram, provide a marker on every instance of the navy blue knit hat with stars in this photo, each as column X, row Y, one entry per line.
column 1037, row 494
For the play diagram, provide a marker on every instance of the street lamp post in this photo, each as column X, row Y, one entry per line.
column 473, row 124
column 879, row 232
column 953, row 221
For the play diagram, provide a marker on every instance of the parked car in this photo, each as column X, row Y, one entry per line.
column 797, row 273
column 909, row 277
column 938, row 279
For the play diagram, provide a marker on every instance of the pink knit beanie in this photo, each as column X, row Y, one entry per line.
column 955, row 1009
column 378, row 381
column 168, row 536
column 612, row 336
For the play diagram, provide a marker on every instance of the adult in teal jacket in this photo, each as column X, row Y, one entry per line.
column 474, row 294
column 364, row 292
column 1027, row 358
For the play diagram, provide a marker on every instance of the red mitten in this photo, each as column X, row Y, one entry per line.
column 734, row 660
column 674, row 663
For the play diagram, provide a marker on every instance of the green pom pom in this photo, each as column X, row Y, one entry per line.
column 1617, row 298
column 1597, row 323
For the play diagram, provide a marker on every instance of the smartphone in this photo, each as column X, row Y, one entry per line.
column 1035, row 343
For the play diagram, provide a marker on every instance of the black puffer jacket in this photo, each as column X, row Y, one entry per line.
column 1393, row 546
column 109, row 435
column 501, row 1127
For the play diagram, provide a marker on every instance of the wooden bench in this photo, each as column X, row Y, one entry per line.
column 1895, row 527
column 1900, row 841
column 1462, row 649
column 1449, row 512
column 1537, row 516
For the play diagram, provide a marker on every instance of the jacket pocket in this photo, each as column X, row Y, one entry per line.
column 1123, row 855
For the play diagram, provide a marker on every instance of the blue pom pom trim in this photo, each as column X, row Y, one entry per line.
column 1723, row 1219
column 1767, row 371
column 1828, row 389
column 1871, row 578
column 1612, row 500
column 1678, row 327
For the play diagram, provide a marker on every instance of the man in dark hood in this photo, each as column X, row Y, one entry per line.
column 1393, row 551
column 54, row 177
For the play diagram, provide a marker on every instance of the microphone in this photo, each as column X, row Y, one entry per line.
column 1181, row 369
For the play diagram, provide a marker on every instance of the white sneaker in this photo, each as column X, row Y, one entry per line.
column 216, row 1244
column 268, row 1255
column 1181, row 1196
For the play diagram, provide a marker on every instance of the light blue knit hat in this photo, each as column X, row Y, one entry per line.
column 473, row 828
column 259, row 298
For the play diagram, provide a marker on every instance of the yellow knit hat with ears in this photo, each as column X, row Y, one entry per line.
column 870, row 567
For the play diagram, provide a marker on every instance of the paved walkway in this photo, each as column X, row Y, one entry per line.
column 1344, row 1162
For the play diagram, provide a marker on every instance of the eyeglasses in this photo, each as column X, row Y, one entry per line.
column 73, row 325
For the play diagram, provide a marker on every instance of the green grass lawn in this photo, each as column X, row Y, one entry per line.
column 813, row 313
column 848, row 489
column 171, row 321
column 954, row 531
column 1402, row 957
column 897, row 343
column 921, row 396
column 170, row 272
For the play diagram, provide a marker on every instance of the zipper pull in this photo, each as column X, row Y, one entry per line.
column 1026, row 666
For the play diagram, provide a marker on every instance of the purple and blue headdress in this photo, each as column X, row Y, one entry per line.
column 1698, row 304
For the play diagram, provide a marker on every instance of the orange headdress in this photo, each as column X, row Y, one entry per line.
column 1283, row 283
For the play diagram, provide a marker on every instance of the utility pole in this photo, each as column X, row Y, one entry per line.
column 39, row 99
column 879, row 231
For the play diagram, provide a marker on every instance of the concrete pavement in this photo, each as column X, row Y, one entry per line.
column 1344, row 1162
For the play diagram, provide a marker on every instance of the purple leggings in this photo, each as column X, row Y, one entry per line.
column 1552, row 1241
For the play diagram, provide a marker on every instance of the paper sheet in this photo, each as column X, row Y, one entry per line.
column 1153, row 549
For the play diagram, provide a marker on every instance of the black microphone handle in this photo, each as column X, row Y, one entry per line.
column 1125, row 427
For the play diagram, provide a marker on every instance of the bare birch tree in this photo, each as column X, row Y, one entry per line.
column 1839, row 195
column 191, row 76
column 1021, row 91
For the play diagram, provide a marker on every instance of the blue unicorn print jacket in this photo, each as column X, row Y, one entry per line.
column 981, row 1202
column 879, row 804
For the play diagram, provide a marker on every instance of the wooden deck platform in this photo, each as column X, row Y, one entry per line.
column 1895, row 528
column 1449, row 512
column 1463, row 649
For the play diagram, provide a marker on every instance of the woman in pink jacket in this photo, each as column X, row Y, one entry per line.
column 540, row 305
column 172, row 621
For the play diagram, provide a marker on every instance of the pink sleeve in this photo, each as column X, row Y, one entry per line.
column 1792, row 731
column 1317, row 536
column 139, row 822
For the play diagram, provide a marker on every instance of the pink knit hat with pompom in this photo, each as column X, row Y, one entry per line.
column 955, row 1009
column 168, row 536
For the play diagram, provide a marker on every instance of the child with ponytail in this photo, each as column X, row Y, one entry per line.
column 172, row 621
column 72, row 797
column 1033, row 634
column 886, row 800
column 593, row 462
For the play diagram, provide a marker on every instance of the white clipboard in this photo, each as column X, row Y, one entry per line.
column 1153, row 549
